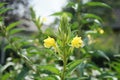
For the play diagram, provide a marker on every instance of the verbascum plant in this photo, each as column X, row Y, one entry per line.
column 64, row 46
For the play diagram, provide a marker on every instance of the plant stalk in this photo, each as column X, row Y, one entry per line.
column 64, row 66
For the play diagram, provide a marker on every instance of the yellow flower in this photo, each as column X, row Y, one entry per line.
column 44, row 19
column 89, row 36
column 101, row 31
column 49, row 42
column 77, row 42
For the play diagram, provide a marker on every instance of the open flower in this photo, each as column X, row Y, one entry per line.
column 49, row 42
column 77, row 42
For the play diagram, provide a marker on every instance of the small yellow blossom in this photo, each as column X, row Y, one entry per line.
column 44, row 19
column 101, row 31
column 77, row 42
column 49, row 42
column 89, row 36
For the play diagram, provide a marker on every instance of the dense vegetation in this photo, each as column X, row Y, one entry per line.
column 75, row 51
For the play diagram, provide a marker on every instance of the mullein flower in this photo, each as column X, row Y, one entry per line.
column 77, row 42
column 49, row 42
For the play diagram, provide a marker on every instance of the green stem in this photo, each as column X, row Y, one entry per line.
column 64, row 66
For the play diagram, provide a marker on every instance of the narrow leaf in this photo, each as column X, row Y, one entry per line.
column 70, row 4
column 77, row 78
column 101, row 53
column 3, row 10
column 12, row 25
column 49, row 78
column 91, row 16
column 33, row 13
column 14, row 31
column 51, row 69
column 61, row 13
column 95, row 4
column 2, row 4
column 73, row 65
column 82, row 68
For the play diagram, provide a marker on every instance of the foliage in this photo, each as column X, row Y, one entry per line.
column 44, row 56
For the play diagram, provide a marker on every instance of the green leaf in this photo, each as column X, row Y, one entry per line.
column 32, row 13
column 95, row 4
column 81, row 69
column 22, row 74
column 72, row 79
column 76, row 78
column 14, row 31
column 48, row 68
column 49, row 78
column 2, row 4
column 74, row 25
column 3, row 10
column 91, row 16
column 101, row 53
column 1, row 18
column 5, row 76
column 57, row 14
column 116, row 66
column 16, row 38
column 61, row 13
column 7, row 47
column 107, row 75
column 73, row 65
column 38, row 22
column 12, row 25
column 70, row 4
column 26, row 59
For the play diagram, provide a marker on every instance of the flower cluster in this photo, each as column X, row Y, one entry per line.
column 76, row 42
